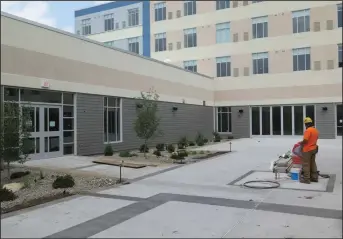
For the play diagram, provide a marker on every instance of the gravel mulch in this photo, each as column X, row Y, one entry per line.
column 42, row 188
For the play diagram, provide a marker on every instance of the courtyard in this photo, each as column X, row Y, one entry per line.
column 199, row 200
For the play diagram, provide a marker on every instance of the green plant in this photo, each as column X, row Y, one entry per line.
column 157, row 153
column 19, row 174
column 183, row 143
column 199, row 139
column 124, row 154
column 144, row 149
column 230, row 136
column 16, row 125
column 181, row 146
column 147, row 122
column 182, row 153
column 27, row 182
column 201, row 152
column 160, row 147
column 175, row 156
column 170, row 148
column 205, row 140
column 191, row 143
column 6, row 195
column 108, row 150
column 194, row 152
column 216, row 137
column 66, row 181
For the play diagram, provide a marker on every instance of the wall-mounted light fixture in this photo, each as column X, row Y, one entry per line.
column 241, row 111
column 174, row 108
column 139, row 105
column 324, row 108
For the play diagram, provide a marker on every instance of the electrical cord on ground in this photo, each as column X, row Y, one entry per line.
column 274, row 184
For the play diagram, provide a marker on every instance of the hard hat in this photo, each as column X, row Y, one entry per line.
column 307, row 120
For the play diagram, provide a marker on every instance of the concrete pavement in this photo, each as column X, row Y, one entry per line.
column 196, row 201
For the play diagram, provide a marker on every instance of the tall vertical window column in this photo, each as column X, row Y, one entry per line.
column 301, row 21
column 340, row 63
column 133, row 44
column 260, row 27
column 68, row 123
column 190, row 37
column 191, row 65
column 189, row 8
column 133, row 15
column 339, row 15
column 160, row 11
column 86, row 27
column 302, row 59
column 160, row 42
column 112, row 119
column 223, row 32
column 223, row 66
column 260, row 63
column 109, row 22
column 222, row 4
column 224, row 124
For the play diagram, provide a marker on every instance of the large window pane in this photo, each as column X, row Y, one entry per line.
column 276, row 111
column 255, row 120
column 309, row 112
column 40, row 96
column 265, row 120
column 339, row 119
column 11, row 94
column 298, row 120
column 287, row 120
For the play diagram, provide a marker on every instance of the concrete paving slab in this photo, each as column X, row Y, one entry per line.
column 259, row 224
column 54, row 218
column 284, row 181
column 129, row 173
column 188, row 220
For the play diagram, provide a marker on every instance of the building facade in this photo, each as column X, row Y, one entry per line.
column 274, row 62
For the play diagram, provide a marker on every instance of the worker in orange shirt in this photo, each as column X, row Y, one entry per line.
column 309, row 149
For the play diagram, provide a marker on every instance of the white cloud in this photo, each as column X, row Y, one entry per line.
column 37, row 11
column 101, row 2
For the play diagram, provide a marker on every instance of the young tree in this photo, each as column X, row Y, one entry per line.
column 147, row 122
column 15, row 145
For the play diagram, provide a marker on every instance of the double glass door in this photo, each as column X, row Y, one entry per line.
column 46, row 134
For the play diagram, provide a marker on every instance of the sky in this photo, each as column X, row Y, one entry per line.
column 59, row 14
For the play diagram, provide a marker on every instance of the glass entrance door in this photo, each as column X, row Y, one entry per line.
column 46, row 131
column 339, row 119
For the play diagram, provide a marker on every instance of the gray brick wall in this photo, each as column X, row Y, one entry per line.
column 325, row 121
column 186, row 121
column 241, row 122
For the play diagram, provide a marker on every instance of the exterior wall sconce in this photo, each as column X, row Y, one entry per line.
column 174, row 108
column 324, row 108
column 241, row 111
column 139, row 105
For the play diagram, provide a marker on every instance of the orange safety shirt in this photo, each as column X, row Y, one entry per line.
column 311, row 135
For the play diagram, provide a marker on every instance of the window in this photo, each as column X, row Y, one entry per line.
column 260, row 27
column 190, row 65
column 160, row 42
column 301, row 59
column 339, row 15
column 340, row 55
column 223, row 66
column 222, row 4
column 86, row 27
column 189, row 8
column 109, row 43
column 112, row 120
column 223, row 32
column 224, row 120
column 109, row 22
column 301, row 21
column 260, row 63
column 133, row 17
column 117, row 25
column 134, row 44
column 190, row 37
column 160, row 11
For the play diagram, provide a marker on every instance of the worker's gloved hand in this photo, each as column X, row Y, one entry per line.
column 317, row 149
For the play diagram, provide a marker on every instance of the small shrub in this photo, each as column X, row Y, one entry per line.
column 182, row 153
column 19, row 174
column 6, row 195
column 181, row 146
column 201, row 152
column 183, row 142
column 27, row 182
column 160, row 147
column 133, row 155
column 191, row 143
column 175, row 156
column 108, row 150
column 66, row 181
column 170, row 148
column 230, row 137
column 194, row 152
column 216, row 137
column 157, row 153
column 205, row 141
column 199, row 139
column 124, row 154
column 144, row 147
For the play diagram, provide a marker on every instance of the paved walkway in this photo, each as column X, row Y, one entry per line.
column 198, row 201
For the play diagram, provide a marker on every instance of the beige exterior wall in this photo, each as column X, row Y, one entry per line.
column 31, row 53
column 281, row 85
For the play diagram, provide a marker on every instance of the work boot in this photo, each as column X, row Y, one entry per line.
column 302, row 180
